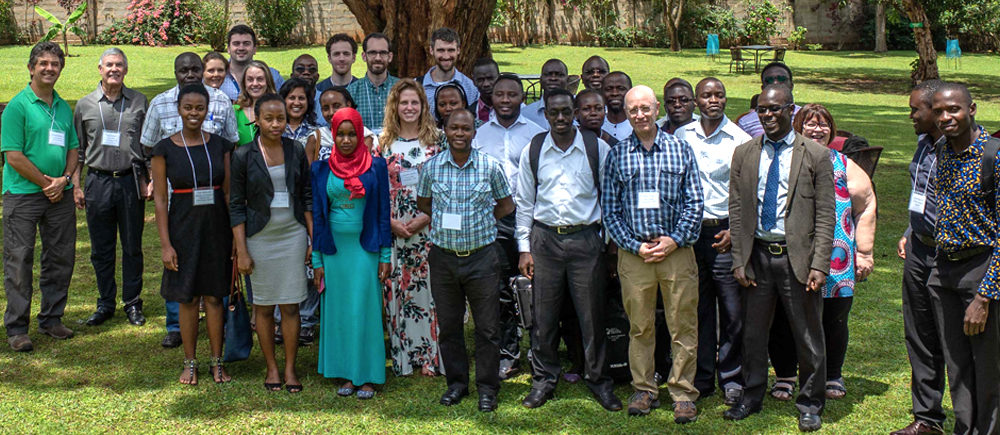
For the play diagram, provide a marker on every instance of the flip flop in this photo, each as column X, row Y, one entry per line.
column 294, row 388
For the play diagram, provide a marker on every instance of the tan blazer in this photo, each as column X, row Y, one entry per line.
column 810, row 215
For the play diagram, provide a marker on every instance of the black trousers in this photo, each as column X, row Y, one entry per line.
column 720, row 317
column 776, row 284
column 453, row 281
column 568, row 267
column 781, row 347
column 510, row 332
column 923, row 341
column 114, row 211
column 973, row 361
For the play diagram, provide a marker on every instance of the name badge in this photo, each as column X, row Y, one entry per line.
column 649, row 199
column 409, row 177
column 204, row 196
column 110, row 138
column 280, row 200
column 452, row 221
column 57, row 138
column 918, row 201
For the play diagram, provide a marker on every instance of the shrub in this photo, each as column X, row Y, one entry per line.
column 703, row 20
column 154, row 22
column 9, row 33
column 614, row 36
column 814, row 47
column 274, row 20
column 213, row 24
column 797, row 37
column 761, row 23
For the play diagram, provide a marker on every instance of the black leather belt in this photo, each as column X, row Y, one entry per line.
column 462, row 253
column 568, row 229
column 113, row 174
column 926, row 240
column 967, row 253
column 724, row 222
column 776, row 249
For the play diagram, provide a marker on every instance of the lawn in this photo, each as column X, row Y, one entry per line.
column 117, row 378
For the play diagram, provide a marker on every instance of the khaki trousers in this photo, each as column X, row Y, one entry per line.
column 677, row 278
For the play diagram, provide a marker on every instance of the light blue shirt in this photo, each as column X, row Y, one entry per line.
column 535, row 112
column 785, row 167
column 430, row 87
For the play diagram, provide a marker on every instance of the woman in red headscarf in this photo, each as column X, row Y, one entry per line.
column 351, row 257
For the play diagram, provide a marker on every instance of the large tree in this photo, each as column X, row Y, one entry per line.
column 672, row 11
column 926, row 68
column 409, row 24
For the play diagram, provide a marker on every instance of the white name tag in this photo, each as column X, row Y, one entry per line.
column 918, row 201
column 280, row 200
column 649, row 199
column 409, row 177
column 204, row 196
column 57, row 138
column 451, row 221
column 110, row 138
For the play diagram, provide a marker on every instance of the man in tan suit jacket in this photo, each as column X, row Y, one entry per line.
column 782, row 216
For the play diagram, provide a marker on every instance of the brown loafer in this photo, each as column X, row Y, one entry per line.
column 57, row 331
column 919, row 427
column 20, row 343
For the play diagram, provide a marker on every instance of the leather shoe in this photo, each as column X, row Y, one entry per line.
column 171, row 340
column 609, row 401
column 919, row 427
column 809, row 422
column 306, row 336
column 99, row 317
column 536, row 398
column 135, row 316
column 57, row 331
column 487, row 402
column 453, row 396
column 740, row 411
column 20, row 343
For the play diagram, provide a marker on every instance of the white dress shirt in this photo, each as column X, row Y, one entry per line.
column 505, row 144
column 620, row 131
column 566, row 191
column 714, row 154
column 785, row 167
column 535, row 112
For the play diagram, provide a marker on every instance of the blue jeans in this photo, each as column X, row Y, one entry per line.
column 308, row 309
column 173, row 316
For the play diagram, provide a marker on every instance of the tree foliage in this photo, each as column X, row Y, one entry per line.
column 275, row 19
column 63, row 27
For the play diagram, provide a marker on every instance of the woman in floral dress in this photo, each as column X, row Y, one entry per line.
column 409, row 138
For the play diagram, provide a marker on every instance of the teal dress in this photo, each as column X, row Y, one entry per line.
column 351, row 341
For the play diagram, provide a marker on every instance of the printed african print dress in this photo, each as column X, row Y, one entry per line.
column 412, row 322
column 840, row 282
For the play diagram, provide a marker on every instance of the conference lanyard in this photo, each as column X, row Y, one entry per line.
column 108, row 137
column 56, row 137
column 202, row 195
column 649, row 199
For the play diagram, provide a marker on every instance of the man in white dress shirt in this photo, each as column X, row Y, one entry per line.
column 714, row 138
column 503, row 137
column 613, row 89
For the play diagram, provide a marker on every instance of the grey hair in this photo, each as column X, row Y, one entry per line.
column 113, row 51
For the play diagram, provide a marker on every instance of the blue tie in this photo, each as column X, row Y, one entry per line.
column 769, row 214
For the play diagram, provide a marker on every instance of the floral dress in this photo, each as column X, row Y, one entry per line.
column 412, row 321
column 840, row 282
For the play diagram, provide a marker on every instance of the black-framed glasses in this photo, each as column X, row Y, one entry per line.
column 773, row 109
column 382, row 53
column 776, row 79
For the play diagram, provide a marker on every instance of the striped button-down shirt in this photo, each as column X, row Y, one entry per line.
column 669, row 169
column 965, row 218
column 371, row 100
column 470, row 192
column 163, row 120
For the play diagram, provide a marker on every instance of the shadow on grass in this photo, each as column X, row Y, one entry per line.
column 857, row 390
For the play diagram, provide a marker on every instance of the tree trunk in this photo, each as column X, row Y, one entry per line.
column 409, row 24
column 880, row 44
column 926, row 68
column 673, row 9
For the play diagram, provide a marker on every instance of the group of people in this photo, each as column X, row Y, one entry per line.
column 384, row 202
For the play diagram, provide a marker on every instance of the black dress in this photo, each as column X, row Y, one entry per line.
column 201, row 235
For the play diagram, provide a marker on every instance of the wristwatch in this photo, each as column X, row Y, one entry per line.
column 69, row 179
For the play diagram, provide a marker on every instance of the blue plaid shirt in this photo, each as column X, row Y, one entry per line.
column 371, row 100
column 965, row 219
column 470, row 191
column 669, row 168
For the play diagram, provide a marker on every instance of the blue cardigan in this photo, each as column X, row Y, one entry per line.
column 375, row 234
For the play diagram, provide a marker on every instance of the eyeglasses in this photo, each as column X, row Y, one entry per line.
column 302, row 69
column 383, row 53
column 773, row 109
column 817, row 125
column 645, row 110
column 776, row 79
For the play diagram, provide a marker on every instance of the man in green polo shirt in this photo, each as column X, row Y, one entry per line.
column 39, row 147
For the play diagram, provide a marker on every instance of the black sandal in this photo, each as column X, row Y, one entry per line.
column 294, row 388
column 192, row 367
column 216, row 362
column 783, row 386
column 834, row 387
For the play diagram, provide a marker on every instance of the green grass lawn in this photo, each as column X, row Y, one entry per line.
column 116, row 377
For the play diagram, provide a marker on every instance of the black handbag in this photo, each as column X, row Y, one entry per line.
column 238, row 336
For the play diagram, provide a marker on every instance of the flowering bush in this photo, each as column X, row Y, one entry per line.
column 761, row 22
column 154, row 22
column 275, row 19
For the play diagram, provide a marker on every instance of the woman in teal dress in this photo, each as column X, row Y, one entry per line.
column 351, row 257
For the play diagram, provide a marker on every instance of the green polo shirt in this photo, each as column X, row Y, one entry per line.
column 26, row 123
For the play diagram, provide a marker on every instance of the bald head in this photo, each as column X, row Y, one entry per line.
column 641, row 108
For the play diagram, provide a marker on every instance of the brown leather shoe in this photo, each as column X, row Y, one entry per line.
column 919, row 427
column 57, row 331
column 685, row 412
column 20, row 343
column 641, row 403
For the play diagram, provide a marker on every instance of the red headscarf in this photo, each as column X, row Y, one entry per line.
column 350, row 167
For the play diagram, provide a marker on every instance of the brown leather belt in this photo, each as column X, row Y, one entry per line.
column 568, row 229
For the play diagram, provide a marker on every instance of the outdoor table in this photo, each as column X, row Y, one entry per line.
column 756, row 53
column 532, row 87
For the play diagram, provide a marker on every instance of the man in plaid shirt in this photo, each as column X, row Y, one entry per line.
column 652, row 204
